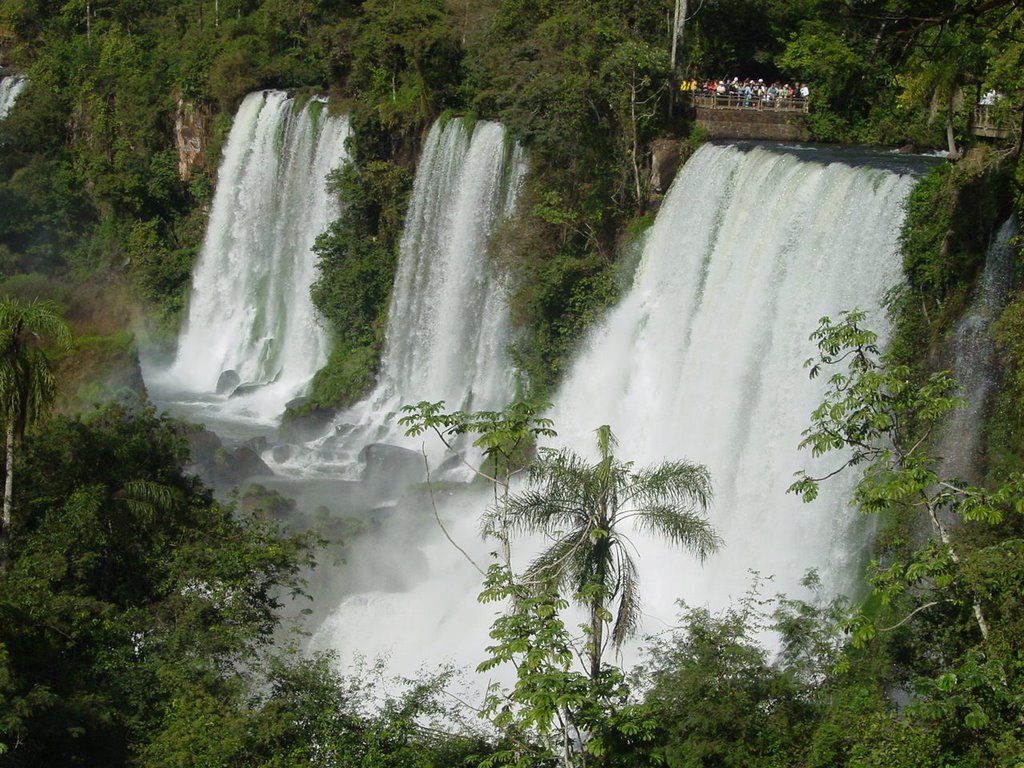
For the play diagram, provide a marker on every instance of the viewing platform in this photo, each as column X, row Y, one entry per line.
column 734, row 101
column 989, row 122
column 732, row 116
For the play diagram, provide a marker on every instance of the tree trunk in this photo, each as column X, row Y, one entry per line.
column 947, row 542
column 600, row 584
column 954, row 154
column 5, row 524
column 635, row 144
column 678, row 28
column 678, row 22
column 596, row 630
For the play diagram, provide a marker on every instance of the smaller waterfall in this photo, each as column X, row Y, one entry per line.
column 10, row 87
column 448, row 325
column 446, row 340
column 252, row 341
column 974, row 355
column 447, row 328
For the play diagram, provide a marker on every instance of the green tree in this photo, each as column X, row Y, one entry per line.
column 719, row 697
column 131, row 596
column 27, row 383
column 507, row 438
column 945, row 608
column 882, row 417
column 405, row 60
column 586, row 508
column 944, row 61
column 638, row 76
column 554, row 712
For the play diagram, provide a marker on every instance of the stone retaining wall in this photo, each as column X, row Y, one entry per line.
column 753, row 124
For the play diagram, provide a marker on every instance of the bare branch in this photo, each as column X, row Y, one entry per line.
column 910, row 615
column 433, row 504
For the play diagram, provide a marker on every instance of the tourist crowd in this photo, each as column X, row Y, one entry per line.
column 749, row 90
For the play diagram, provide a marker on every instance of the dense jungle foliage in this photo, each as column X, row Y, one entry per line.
column 140, row 619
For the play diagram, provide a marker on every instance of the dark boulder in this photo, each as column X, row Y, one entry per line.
column 389, row 468
column 303, row 426
column 243, row 463
column 228, row 382
column 246, row 389
column 222, row 466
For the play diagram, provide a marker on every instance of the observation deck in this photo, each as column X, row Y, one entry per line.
column 733, row 116
column 989, row 122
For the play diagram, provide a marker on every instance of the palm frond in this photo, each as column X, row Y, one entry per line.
column 689, row 530
column 38, row 320
column 680, row 482
column 145, row 498
column 581, row 505
column 536, row 511
column 27, row 384
column 559, row 564
column 627, row 617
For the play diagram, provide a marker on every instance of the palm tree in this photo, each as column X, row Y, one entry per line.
column 585, row 508
column 27, row 383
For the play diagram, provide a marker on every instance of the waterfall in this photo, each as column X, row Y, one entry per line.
column 448, row 325
column 401, row 593
column 10, row 87
column 703, row 358
column 252, row 341
column 974, row 356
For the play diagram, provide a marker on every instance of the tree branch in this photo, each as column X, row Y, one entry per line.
column 437, row 517
column 910, row 615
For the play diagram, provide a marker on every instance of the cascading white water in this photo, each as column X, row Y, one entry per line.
column 10, row 87
column 703, row 357
column 448, row 325
column 446, row 340
column 974, row 356
column 250, row 312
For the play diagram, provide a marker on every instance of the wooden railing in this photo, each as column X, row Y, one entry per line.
column 989, row 122
column 734, row 101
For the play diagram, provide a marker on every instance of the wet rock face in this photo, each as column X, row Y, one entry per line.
column 308, row 425
column 389, row 466
column 665, row 161
column 191, row 132
column 227, row 382
column 222, row 466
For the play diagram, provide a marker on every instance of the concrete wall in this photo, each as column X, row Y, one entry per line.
column 753, row 124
